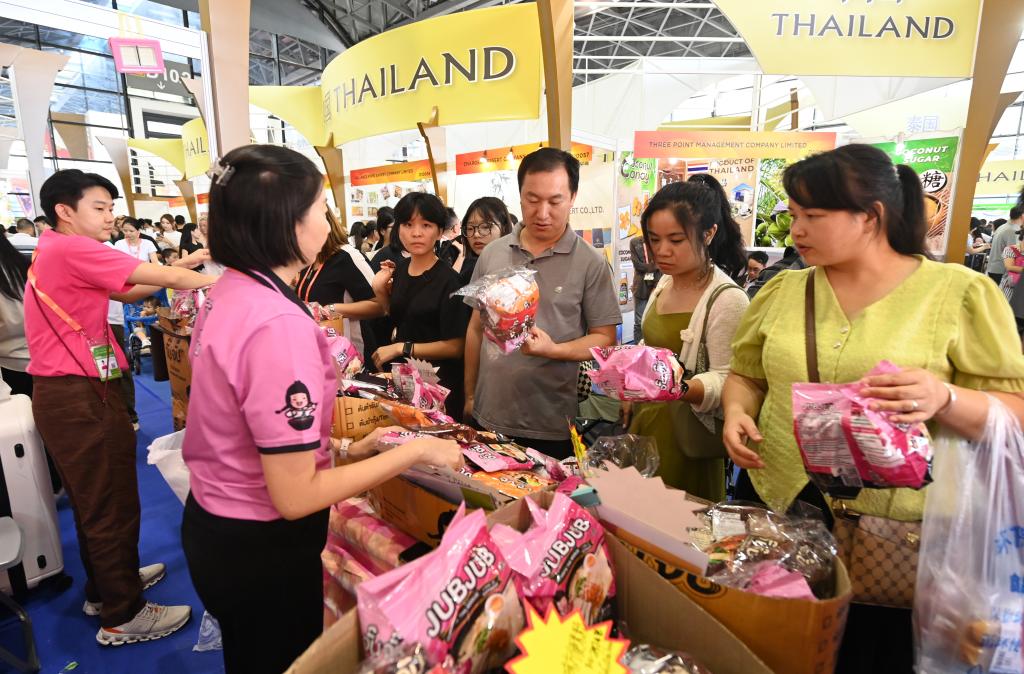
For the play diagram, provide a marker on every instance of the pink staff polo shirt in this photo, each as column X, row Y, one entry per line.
column 262, row 383
column 79, row 274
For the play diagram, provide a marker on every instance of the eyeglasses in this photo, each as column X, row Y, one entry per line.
column 483, row 229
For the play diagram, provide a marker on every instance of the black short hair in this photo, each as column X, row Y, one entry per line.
column 549, row 159
column 760, row 256
column 167, row 252
column 43, row 219
column 253, row 213
column 491, row 209
column 429, row 207
column 385, row 218
column 67, row 187
column 1016, row 212
column 179, row 220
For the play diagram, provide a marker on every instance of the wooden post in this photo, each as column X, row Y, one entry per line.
column 227, row 24
column 436, row 139
column 334, row 164
column 117, row 149
column 188, row 192
column 998, row 34
column 556, row 28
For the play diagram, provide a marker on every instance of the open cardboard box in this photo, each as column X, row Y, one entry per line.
column 179, row 371
column 653, row 612
column 356, row 417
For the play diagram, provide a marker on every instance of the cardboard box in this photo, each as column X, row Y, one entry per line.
column 179, row 369
column 793, row 636
column 654, row 613
column 356, row 417
column 411, row 508
column 172, row 322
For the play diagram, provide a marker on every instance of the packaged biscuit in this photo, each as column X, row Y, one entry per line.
column 637, row 373
column 507, row 302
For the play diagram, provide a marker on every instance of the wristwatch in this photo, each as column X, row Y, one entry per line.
column 407, row 349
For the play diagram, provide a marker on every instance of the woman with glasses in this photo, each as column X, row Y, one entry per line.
column 487, row 219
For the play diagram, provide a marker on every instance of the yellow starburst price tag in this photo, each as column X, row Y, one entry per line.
column 554, row 645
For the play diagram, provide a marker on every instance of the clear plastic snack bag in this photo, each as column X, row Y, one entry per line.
column 624, row 451
column 970, row 578
column 507, row 302
column 637, row 373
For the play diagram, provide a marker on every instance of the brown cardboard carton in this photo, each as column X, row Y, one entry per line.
column 412, row 509
column 791, row 635
column 654, row 614
column 172, row 322
column 356, row 417
column 179, row 369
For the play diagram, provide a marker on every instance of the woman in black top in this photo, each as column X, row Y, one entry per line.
column 339, row 281
column 487, row 219
column 428, row 323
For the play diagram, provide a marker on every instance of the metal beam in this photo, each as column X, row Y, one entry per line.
column 655, row 38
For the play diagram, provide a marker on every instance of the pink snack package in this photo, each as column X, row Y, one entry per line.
column 846, row 446
column 637, row 373
column 459, row 601
column 563, row 559
column 392, row 439
column 494, row 457
column 772, row 580
column 346, row 358
column 410, row 385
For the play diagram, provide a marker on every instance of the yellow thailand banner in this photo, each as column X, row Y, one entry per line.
column 413, row 171
column 170, row 149
column 508, row 158
column 1000, row 177
column 905, row 38
column 730, row 144
column 197, row 147
column 483, row 65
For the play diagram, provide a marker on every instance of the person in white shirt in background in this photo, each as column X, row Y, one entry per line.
column 137, row 247
column 25, row 239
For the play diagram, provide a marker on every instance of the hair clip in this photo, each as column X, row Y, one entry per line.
column 221, row 173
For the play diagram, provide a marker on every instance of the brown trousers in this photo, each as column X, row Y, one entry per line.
column 93, row 445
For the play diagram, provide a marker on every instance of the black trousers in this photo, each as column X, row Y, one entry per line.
column 558, row 449
column 877, row 639
column 262, row 581
column 996, row 277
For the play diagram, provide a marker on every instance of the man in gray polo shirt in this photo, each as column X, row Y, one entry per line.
column 528, row 394
column 1005, row 236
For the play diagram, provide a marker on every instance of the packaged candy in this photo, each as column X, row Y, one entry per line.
column 563, row 560
column 514, row 483
column 345, row 357
column 459, row 601
column 392, row 439
column 637, row 373
column 403, row 659
column 846, row 446
column 623, row 451
column 186, row 303
column 645, row 659
column 495, row 457
column 507, row 302
column 417, row 390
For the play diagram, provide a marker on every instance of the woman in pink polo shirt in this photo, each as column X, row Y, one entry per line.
column 262, row 397
column 77, row 401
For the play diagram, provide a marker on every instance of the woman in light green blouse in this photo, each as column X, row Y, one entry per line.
column 860, row 221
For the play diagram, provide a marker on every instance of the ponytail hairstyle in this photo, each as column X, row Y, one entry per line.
column 726, row 249
column 857, row 178
column 698, row 206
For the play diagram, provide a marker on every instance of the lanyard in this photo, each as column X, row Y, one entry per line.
column 312, row 281
column 54, row 307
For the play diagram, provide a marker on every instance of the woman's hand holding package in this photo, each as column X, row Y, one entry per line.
column 386, row 354
column 911, row 396
column 436, row 452
column 738, row 429
column 383, row 279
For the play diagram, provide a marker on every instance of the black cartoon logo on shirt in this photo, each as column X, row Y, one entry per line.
column 297, row 407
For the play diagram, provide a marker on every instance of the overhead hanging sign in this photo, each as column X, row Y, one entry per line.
column 730, row 144
column 508, row 158
column 408, row 172
column 1000, row 177
column 197, row 147
column 899, row 38
column 477, row 66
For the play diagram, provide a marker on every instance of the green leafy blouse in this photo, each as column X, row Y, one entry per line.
column 945, row 318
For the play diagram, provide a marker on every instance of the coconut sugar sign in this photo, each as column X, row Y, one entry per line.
column 905, row 38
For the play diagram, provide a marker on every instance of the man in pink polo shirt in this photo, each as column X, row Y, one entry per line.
column 78, row 404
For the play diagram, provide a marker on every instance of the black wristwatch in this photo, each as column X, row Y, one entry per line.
column 407, row 349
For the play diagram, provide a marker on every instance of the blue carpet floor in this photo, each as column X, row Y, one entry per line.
column 64, row 635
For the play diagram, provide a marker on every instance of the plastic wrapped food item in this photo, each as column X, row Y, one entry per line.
column 458, row 601
column 514, row 483
column 495, row 457
column 186, row 303
column 740, row 538
column 645, row 659
column 563, row 560
column 638, row 373
column 345, row 357
column 413, row 418
column 403, row 659
column 416, row 390
column 507, row 302
column 623, row 451
column 846, row 446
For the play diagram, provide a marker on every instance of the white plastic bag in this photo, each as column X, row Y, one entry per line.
column 165, row 454
column 970, row 580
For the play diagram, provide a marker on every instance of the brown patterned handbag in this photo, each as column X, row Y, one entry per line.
column 880, row 554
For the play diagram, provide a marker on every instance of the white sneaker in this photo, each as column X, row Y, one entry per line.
column 150, row 575
column 152, row 622
column 135, row 426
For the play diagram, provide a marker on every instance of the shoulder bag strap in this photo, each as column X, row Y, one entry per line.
column 702, row 345
column 810, row 331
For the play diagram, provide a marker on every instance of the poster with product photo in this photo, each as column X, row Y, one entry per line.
column 637, row 183
column 738, row 177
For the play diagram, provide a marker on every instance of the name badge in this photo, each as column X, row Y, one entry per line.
column 106, row 362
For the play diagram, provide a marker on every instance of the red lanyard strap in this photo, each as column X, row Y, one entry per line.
column 312, row 282
column 48, row 301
